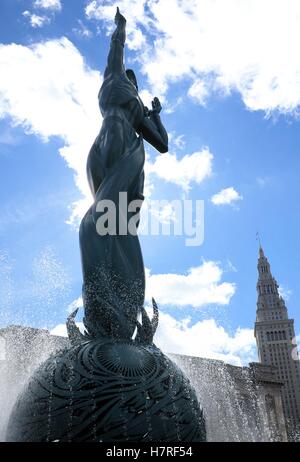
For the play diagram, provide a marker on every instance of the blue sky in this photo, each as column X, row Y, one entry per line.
column 229, row 85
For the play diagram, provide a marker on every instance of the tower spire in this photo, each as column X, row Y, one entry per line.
column 275, row 335
column 261, row 252
column 267, row 286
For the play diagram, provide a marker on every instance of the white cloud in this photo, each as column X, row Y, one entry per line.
column 54, row 5
column 198, row 91
column 78, row 303
column 177, row 140
column 61, row 329
column 36, row 20
column 200, row 286
column 285, row 292
column 170, row 108
column 250, row 47
column 134, row 11
column 146, row 97
column 57, row 96
column 190, row 168
column 226, row 196
column 205, row 339
column 50, row 7
column 82, row 30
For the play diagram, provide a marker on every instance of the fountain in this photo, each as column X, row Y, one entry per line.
column 112, row 383
column 232, row 403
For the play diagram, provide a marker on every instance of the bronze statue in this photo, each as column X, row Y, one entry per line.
column 113, row 269
column 112, row 384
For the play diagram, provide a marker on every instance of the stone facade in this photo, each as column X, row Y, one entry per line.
column 276, row 344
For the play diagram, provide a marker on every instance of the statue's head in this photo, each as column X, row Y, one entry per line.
column 131, row 75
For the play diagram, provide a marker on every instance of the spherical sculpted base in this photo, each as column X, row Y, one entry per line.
column 110, row 391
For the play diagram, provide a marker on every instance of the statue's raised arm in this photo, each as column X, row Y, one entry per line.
column 115, row 60
column 153, row 129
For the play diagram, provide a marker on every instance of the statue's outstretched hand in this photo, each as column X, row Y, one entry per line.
column 119, row 18
column 156, row 106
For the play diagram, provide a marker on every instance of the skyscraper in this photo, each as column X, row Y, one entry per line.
column 276, row 343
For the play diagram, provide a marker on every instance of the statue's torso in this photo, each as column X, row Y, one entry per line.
column 123, row 113
column 119, row 97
